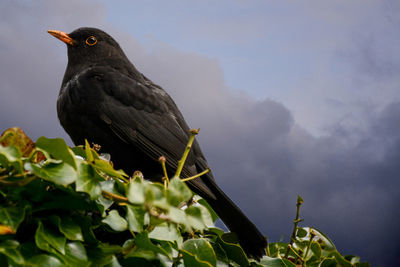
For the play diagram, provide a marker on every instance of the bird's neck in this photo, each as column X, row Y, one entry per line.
column 123, row 66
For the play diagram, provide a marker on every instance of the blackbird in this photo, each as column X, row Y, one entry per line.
column 106, row 100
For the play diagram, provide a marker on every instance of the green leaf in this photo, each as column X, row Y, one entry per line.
column 88, row 180
column 326, row 243
column 301, row 233
column 58, row 149
column 143, row 259
column 234, row 251
column 328, row 263
column 11, row 156
column 75, row 254
column 276, row 262
column 10, row 248
column 142, row 241
column 79, row 151
column 88, row 152
column 316, row 250
column 277, row 248
column 167, row 232
column 155, row 193
column 59, row 173
column 191, row 260
column 195, row 217
column 103, row 254
column 178, row 192
column 136, row 192
column 201, row 249
column 12, row 216
column 69, row 228
column 106, row 168
column 340, row 259
column 135, row 218
column 114, row 262
column 179, row 216
column 115, row 221
column 205, row 204
column 45, row 260
column 48, row 240
column 353, row 259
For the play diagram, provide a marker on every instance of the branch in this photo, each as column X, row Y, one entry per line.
column 295, row 222
column 181, row 162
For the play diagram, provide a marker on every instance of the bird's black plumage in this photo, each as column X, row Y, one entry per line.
column 105, row 99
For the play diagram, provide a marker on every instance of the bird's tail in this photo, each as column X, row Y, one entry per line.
column 250, row 238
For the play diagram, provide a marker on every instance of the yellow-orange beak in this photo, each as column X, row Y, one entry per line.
column 62, row 36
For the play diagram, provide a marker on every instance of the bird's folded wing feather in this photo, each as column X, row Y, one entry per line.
column 142, row 115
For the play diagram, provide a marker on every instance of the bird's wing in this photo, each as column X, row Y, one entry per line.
column 142, row 115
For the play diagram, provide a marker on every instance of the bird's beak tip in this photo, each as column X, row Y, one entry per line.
column 62, row 36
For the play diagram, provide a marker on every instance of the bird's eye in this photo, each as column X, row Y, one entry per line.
column 91, row 40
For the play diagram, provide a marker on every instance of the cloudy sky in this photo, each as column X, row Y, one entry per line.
column 291, row 98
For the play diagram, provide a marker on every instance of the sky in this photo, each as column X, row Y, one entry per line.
column 291, row 98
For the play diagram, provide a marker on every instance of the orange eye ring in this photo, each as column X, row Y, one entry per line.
column 91, row 40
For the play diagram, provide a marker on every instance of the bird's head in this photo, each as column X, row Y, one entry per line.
column 90, row 46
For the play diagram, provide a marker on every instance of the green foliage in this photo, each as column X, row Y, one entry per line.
column 69, row 207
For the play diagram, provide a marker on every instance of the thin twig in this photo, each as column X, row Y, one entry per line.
column 295, row 222
column 309, row 244
column 26, row 181
column 196, row 176
column 181, row 162
column 290, row 247
column 115, row 197
column 165, row 179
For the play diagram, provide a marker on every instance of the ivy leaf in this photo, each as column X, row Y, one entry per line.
column 135, row 218
column 49, row 240
column 301, row 233
column 202, row 251
column 167, row 232
column 136, row 192
column 45, row 260
column 69, row 228
column 10, row 156
column 12, row 216
column 58, row 173
column 179, row 216
column 234, row 251
column 115, row 221
column 276, row 262
column 105, row 167
column 75, row 254
column 88, row 180
column 191, row 260
column 195, row 217
column 103, row 254
column 17, row 137
column 212, row 213
column 10, row 248
column 178, row 192
column 142, row 241
column 88, row 152
column 58, row 149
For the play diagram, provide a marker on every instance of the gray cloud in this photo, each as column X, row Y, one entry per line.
column 258, row 153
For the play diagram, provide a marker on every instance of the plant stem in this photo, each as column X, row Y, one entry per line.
column 196, row 176
column 181, row 162
column 115, row 197
column 162, row 160
column 295, row 222
column 26, row 181
column 290, row 247
column 309, row 245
